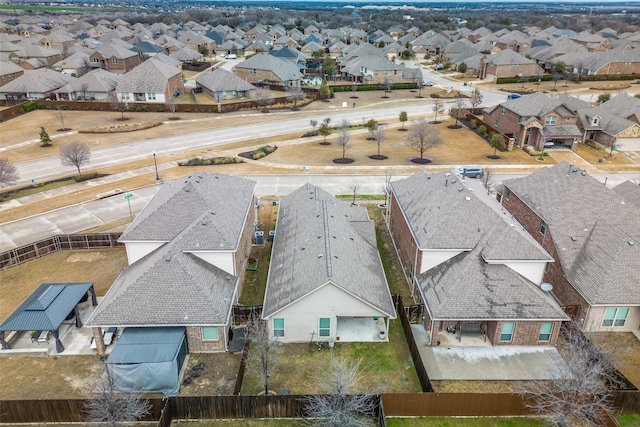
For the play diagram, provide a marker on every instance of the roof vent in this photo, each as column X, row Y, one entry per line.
column 631, row 243
column 204, row 222
column 319, row 255
column 574, row 238
column 583, row 173
column 460, row 188
column 167, row 258
column 467, row 198
column 197, row 244
column 546, row 287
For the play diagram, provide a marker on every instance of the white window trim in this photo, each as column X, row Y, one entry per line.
column 209, row 339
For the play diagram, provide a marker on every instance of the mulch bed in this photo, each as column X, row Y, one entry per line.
column 378, row 157
column 421, row 161
column 344, row 161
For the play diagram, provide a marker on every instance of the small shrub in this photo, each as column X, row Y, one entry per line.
column 593, row 145
column 85, row 177
column 482, row 130
column 258, row 155
column 28, row 106
column 160, row 109
column 474, row 124
column 195, row 162
column 187, row 110
column 310, row 133
column 41, row 106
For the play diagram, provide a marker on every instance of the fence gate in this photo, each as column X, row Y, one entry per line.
column 414, row 313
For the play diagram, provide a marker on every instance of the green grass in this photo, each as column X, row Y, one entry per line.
column 464, row 422
column 385, row 367
column 27, row 191
column 361, row 197
column 628, row 420
column 279, row 422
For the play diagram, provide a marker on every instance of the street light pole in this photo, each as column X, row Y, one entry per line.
column 155, row 163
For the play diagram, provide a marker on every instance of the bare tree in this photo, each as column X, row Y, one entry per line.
column 582, row 391
column 295, row 94
column 8, row 173
column 422, row 137
column 339, row 405
column 378, row 137
column 171, row 105
column 343, row 137
column 263, row 96
column 75, row 154
column 459, row 109
column 118, row 103
column 476, row 98
column 438, row 108
column 83, row 87
column 262, row 359
column 313, row 124
column 60, row 114
column 108, row 406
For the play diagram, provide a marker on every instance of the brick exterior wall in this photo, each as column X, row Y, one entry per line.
column 619, row 68
column 508, row 123
column 197, row 345
column 501, row 71
column 174, row 84
column 255, row 76
column 244, row 245
column 403, row 240
column 121, row 67
column 524, row 333
column 562, row 289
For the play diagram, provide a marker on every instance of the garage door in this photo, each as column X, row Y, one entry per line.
column 628, row 144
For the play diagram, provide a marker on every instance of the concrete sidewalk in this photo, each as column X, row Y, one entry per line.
column 489, row 363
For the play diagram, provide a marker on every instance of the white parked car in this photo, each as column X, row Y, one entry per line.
column 470, row 171
column 549, row 144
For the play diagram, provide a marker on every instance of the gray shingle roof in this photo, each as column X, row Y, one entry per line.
column 466, row 287
column 168, row 287
column 452, row 217
column 220, row 80
column 212, row 208
column 322, row 240
column 282, row 68
column 630, row 192
column 148, row 77
column 592, row 227
column 37, row 81
column 98, row 80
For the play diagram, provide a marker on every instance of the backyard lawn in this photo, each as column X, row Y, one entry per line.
column 465, row 422
column 386, row 367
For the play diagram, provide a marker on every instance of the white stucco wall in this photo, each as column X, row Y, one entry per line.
column 596, row 315
column 222, row 260
column 137, row 250
column 302, row 317
column 432, row 258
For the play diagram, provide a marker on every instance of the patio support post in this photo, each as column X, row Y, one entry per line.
column 59, row 345
column 97, row 336
column 76, row 311
column 94, row 299
column 5, row 345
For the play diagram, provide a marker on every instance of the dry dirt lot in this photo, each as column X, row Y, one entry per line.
column 624, row 348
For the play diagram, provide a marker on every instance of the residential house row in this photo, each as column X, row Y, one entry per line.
column 279, row 56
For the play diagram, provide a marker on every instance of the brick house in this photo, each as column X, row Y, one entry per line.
column 611, row 62
column 187, row 250
column 263, row 68
column 533, row 119
column 114, row 58
column 151, row 81
column 508, row 63
column 592, row 234
column 472, row 269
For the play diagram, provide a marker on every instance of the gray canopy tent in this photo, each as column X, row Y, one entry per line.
column 46, row 308
column 148, row 360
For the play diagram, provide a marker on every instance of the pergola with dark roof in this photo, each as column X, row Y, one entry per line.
column 46, row 308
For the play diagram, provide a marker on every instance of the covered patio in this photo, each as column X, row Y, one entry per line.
column 362, row 329
column 46, row 309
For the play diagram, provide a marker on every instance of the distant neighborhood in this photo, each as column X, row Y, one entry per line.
column 515, row 279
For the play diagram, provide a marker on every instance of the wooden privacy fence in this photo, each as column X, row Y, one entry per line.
column 425, row 383
column 57, row 243
column 294, row 406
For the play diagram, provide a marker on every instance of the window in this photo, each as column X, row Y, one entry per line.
column 278, row 327
column 615, row 316
column 543, row 227
column 503, row 111
column 496, row 124
column 507, row 194
column 545, row 331
column 151, row 96
column 550, row 120
column 325, row 327
column 507, row 331
column 210, row 334
column 114, row 60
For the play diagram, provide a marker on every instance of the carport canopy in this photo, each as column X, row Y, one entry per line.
column 46, row 308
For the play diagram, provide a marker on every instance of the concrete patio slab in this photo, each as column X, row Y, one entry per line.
column 489, row 363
